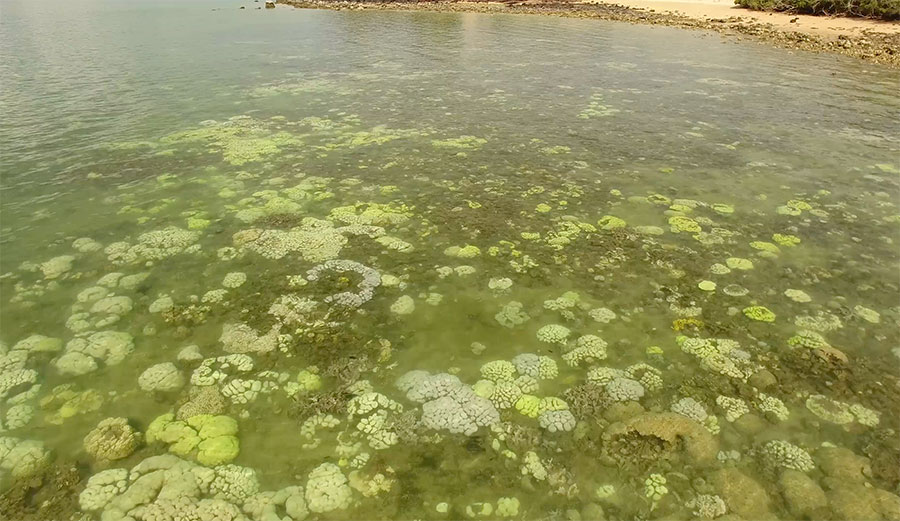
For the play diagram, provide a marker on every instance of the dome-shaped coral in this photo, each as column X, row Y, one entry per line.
column 112, row 439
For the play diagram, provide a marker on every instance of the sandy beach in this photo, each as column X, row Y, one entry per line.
column 825, row 26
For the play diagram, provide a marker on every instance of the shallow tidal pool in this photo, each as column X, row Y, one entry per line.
column 286, row 265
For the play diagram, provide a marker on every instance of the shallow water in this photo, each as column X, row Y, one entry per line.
column 646, row 189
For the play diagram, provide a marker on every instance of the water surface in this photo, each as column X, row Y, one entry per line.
column 692, row 241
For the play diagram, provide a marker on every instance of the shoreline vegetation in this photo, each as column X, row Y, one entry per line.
column 877, row 9
column 873, row 41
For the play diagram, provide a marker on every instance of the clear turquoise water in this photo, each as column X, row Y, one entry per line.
column 209, row 127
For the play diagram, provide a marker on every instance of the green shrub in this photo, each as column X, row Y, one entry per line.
column 884, row 9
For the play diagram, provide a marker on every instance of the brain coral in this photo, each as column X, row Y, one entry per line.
column 112, row 439
column 679, row 433
column 162, row 377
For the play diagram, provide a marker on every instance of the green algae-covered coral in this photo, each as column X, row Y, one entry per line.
column 316, row 241
column 529, row 405
column 765, row 247
column 738, row 263
column 372, row 214
column 681, row 223
column 707, row 285
column 64, row 402
column 785, row 239
column 459, row 143
column 611, row 222
column 759, row 313
column 212, row 439
column 463, row 252
column 240, row 140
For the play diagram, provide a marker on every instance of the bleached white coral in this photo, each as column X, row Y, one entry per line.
column 829, row 410
column 212, row 371
column 234, row 279
column 315, row 240
column 38, row 344
column 505, row 394
column 448, row 403
column 370, row 279
column 293, row 309
column 603, row 315
column 15, row 378
column 57, row 266
column 557, row 421
column 539, row 367
column 588, row 348
column 153, row 245
column 410, row 380
column 265, row 506
column 511, row 315
column 233, row 483
column 101, row 488
column 404, row 305
column 110, row 347
column 624, row 389
column 327, row 489
column 374, row 410
column 241, row 338
column 604, row 375
column 864, row 415
column 500, row 285
column 462, row 411
column 773, row 405
column 22, row 458
column 162, row 304
column 553, row 334
column 720, row 355
column 429, row 387
column 568, row 300
column 311, row 425
column 498, row 370
column 17, row 416
column 691, row 408
column 707, row 506
column 649, row 376
column 734, row 407
column 533, row 466
column 780, row 453
column 112, row 439
column 241, row 391
column 164, row 377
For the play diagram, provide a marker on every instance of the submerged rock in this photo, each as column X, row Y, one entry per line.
column 853, row 501
column 742, row 494
column 842, row 464
column 803, row 496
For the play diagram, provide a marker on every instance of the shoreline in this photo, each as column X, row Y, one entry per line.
column 871, row 41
